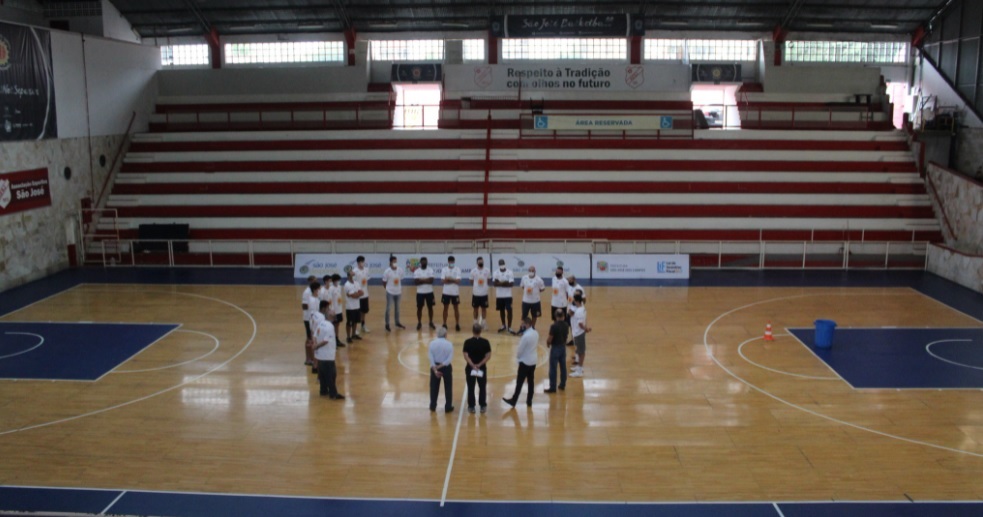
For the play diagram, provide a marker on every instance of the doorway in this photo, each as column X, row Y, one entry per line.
column 417, row 106
column 718, row 103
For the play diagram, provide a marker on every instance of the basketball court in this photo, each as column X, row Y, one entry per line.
column 184, row 392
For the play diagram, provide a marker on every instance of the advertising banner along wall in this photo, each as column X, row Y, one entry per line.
column 24, row 190
column 27, row 87
column 641, row 266
column 320, row 264
column 573, row 76
column 546, row 263
column 602, row 122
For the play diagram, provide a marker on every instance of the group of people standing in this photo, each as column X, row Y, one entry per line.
column 329, row 304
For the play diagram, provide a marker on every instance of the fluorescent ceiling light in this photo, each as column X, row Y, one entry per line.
column 675, row 23
column 311, row 26
column 820, row 25
column 883, row 26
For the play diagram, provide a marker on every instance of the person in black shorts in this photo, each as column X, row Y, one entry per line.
column 477, row 352
column 451, row 291
column 479, row 291
column 423, row 278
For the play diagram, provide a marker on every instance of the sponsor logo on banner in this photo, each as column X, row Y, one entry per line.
column 641, row 266
column 24, row 190
column 320, row 264
column 4, row 53
column 635, row 76
column 27, row 91
column 546, row 263
column 483, row 76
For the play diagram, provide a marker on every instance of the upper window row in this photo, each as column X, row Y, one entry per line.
column 541, row 49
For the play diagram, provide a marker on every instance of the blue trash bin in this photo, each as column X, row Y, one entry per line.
column 824, row 333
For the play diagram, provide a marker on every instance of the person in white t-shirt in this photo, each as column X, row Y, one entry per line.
column 571, row 291
column 306, row 315
column 423, row 278
column 362, row 274
column 324, row 352
column 503, row 282
column 393, row 280
column 332, row 292
column 532, row 287
column 479, row 292
column 450, row 277
column 578, row 321
column 311, row 304
column 353, row 310
column 561, row 289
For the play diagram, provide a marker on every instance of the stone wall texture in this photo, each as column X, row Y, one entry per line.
column 33, row 244
column 969, row 151
column 962, row 204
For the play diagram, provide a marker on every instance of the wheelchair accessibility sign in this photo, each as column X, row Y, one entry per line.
column 541, row 122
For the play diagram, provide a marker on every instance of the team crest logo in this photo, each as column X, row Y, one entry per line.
column 413, row 264
column 5, row 194
column 483, row 76
column 602, row 265
column 634, row 76
column 4, row 53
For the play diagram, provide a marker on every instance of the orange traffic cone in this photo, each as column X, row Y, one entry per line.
column 768, row 334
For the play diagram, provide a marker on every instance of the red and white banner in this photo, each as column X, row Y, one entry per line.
column 24, row 190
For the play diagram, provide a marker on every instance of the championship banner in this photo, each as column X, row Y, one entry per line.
column 565, row 26
column 27, row 88
column 546, row 264
column 640, row 266
column 602, row 122
column 573, row 76
column 24, row 190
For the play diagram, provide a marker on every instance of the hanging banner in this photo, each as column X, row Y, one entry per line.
column 640, row 266
column 27, row 89
column 563, row 26
column 546, row 263
column 599, row 122
column 581, row 77
column 24, row 190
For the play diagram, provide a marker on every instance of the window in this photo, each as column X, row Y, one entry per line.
column 846, row 51
column 407, row 50
column 721, row 50
column 285, row 52
column 565, row 48
column 474, row 50
column 184, row 55
column 665, row 49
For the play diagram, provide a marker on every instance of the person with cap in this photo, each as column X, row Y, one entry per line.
column 503, row 282
column 450, row 294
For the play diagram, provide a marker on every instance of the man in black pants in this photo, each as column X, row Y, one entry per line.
column 527, row 356
column 477, row 352
column 441, row 352
column 558, row 352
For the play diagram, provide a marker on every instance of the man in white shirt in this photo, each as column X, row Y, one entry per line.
column 440, row 353
column 527, row 356
column 393, row 279
column 311, row 304
column 532, row 287
column 423, row 278
column 336, row 298
column 362, row 274
column 561, row 289
column 578, row 321
column 571, row 291
column 324, row 352
column 353, row 311
column 479, row 291
column 451, row 294
column 306, row 315
column 503, row 282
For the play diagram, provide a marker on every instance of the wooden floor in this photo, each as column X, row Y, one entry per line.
column 668, row 410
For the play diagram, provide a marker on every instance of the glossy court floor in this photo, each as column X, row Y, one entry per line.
column 682, row 399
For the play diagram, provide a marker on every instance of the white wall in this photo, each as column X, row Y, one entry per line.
column 847, row 80
column 115, row 26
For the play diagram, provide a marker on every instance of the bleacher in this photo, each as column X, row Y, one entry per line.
column 254, row 197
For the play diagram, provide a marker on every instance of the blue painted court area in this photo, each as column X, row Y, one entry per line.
column 71, row 351
column 177, row 504
column 903, row 357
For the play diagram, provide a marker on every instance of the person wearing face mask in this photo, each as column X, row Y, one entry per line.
column 503, row 282
column 423, row 278
column 532, row 287
column 362, row 275
column 451, row 295
column 559, row 302
column 393, row 278
column 479, row 292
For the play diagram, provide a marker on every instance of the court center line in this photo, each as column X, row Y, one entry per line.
column 450, row 462
column 713, row 357
column 120, row 496
column 165, row 390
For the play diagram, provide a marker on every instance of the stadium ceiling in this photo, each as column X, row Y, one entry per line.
column 162, row 18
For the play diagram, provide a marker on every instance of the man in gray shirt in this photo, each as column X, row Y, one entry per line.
column 526, row 355
column 441, row 351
